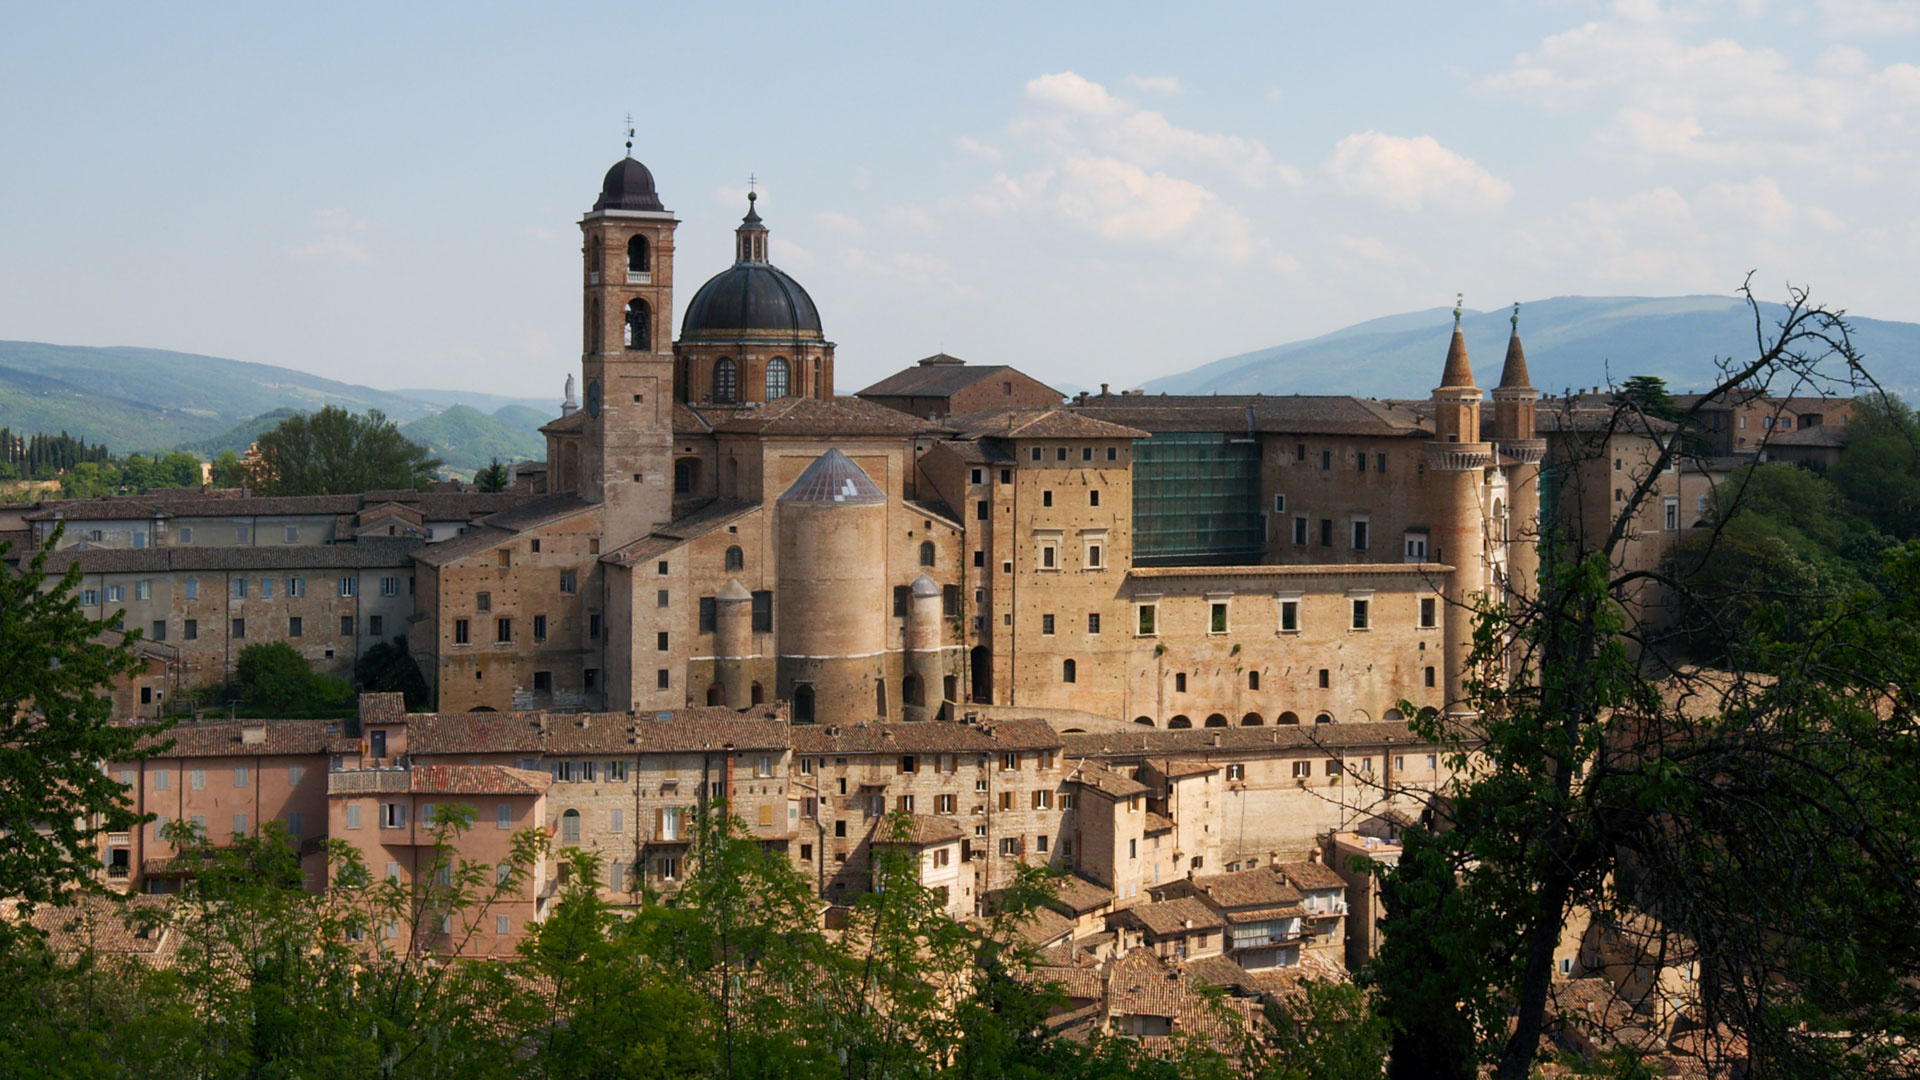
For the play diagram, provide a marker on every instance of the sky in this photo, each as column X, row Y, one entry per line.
column 388, row 194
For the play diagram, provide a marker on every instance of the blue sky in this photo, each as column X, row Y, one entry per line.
column 387, row 194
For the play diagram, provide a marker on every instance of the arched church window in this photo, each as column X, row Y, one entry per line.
column 926, row 553
column 736, row 559
column 777, row 379
column 637, row 259
column 725, row 381
column 639, row 324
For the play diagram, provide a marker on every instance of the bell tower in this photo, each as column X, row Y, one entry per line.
column 627, row 354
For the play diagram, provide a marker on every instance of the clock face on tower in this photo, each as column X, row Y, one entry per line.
column 593, row 398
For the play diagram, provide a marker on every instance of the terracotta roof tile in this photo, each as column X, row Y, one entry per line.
column 938, row 375
column 1296, row 414
column 1141, row 741
column 1029, row 423
column 249, row 738
column 1076, row 895
column 1260, row 887
column 708, row 518
column 1169, row 917
column 365, row 553
column 811, row 416
column 560, row 734
column 924, row 738
column 1309, row 876
column 1107, row 782
column 924, row 830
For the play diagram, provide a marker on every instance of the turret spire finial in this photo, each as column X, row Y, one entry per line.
column 1459, row 299
column 629, row 134
column 1515, row 320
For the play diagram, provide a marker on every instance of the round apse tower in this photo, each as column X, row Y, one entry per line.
column 831, row 632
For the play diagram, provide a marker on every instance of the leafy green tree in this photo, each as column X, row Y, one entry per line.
column 56, row 728
column 273, row 677
column 1648, row 394
column 389, row 667
column 335, row 452
column 1752, row 820
column 492, row 478
column 228, row 472
column 1879, row 469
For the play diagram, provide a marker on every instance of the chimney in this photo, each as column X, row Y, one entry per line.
column 1273, row 859
column 1103, row 389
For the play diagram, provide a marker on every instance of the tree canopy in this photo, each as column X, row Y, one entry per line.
column 56, row 728
column 335, row 452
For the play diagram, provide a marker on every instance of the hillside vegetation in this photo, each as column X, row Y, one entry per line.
column 1572, row 341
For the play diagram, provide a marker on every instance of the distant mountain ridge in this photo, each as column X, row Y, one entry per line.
column 1571, row 342
column 136, row 399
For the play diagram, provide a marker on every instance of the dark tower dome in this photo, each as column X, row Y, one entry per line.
column 628, row 186
column 752, row 297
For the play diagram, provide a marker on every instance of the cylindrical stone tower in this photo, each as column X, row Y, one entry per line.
column 1518, row 443
column 831, row 631
column 733, row 643
column 922, row 697
column 1456, row 464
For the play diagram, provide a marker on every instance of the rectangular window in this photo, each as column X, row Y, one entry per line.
column 1429, row 612
column 980, row 510
column 1096, row 557
column 393, row 815
column 569, row 582
column 296, row 824
column 1360, row 534
column 186, row 534
column 1300, row 530
column 944, row 804
column 1046, row 498
column 346, row 626
column 902, row 596
column 190, row 629
column 1326, row 532
column 1093, row 622
column 1148, row 616
column 1360, row 462
column 1672, row 505
column 660, row 641
column 239, row 588
column 593, row 626
column 462, row 632
column 1302, row 769
column 296, row 587
column 1326, row 678
column 1326, row 460
column 1416, row 547
column 1049, row 555
column 242, row 535
column 1217, row 617
column 709, row 614
column 116, row 594
column 1010, row 846
column 483, row 601
column 295, row 774
column 1360, row 614
column 539, row 628
column 376, row 625
column 159, row 630
column 1179, row 682
column 763, row 612
column 662, row 680
column 161, row 779
column 1236, row 771
column 143, row 590
column 240, row 776
column 1289, row 616
column 1042, row 799
column 661, row 598
column 1046, row 624
column 193, row 584
column 1380, row 463
column 543, row 682
column 503, row 631
column 349, row 586
column 294, row 626
column 503, row 816
column 353, row 815
column 239, row 628
column 389, row 586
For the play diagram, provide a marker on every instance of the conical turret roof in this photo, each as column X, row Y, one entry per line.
column 733, row 590
column 1514, row 376
column 1459, row 372
column 834, row 478
column 925, row 586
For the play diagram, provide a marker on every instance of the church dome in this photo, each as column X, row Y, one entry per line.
column 628, row 186
column 750, row 297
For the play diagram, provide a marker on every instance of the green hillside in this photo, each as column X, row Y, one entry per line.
column 1571, row 341
column 521, row 418
column 151, row 399
column 466, row 439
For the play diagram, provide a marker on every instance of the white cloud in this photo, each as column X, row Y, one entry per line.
column 340, row 241
column 1869, row 18
column 1670, row 91
column 1411, row 174
column 1372, row 249
column 979, row 149
column 840, row 224
column 1157, row 85
column 1066, row 90
column 1759, row 202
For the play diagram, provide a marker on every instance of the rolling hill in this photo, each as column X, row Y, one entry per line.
column 1571, row 341
column 152, row 399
